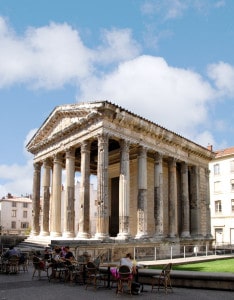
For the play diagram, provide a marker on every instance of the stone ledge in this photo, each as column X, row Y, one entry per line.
column 190, row 279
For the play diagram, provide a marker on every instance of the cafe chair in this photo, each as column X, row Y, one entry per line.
column 39, row 266
column 57, row 270
column 13, row 264
column 163, row 280
column 93, row 276
column 125, row 278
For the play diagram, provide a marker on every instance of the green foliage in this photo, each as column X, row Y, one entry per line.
column 217, row 266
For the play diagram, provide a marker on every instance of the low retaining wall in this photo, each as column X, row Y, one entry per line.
column 189, row 279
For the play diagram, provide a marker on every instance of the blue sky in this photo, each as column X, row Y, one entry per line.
column 170, row 61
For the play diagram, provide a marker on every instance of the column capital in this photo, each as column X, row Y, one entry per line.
column 85, row 146
column 37, row 166
column 158, row 156
column 58, row 158
column 47, row 163
column 70, row 152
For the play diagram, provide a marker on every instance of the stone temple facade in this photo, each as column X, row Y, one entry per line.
column 152, row 184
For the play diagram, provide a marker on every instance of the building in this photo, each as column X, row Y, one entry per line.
column 15, row 215
column 151, row 182
column 222, row 196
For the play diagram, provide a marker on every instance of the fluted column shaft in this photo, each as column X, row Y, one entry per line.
column 158, row 196
column 56, row 197
column 36, row 199
column 69, row 201
column 173, row 213
column 142, row 194
column 84, row 201
column 185, row 201
column 195, row 205
column 46, row 198
column 124, row 191
column 102, row 229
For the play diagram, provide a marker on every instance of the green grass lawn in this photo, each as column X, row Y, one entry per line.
column 219, row 265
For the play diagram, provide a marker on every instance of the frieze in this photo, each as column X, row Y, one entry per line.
column 92, row 119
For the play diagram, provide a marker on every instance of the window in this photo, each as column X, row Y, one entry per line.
column 24, row 225
column 232, row 185
column 25, row 204
column 232, row 204
column 217, row 186
column 218, row 206
column 25, row 214
column 13, row 225
column 216, row 169
column 232, row 166
column 13, row 204
column 13, row 213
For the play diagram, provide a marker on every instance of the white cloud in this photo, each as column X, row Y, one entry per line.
column 51, row 56
column 148, row 86
column 173, row 9
column 47, row 57
column 17, row 179
column 117, row 45
column 223, row 76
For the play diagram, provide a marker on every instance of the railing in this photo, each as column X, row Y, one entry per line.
column 148, row 253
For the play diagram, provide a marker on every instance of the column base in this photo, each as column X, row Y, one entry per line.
column 44, row 233
column 122, row 236
column 158, row 237
column 34, row 233
column 82, row 235
column 141, row 236
column 101, row 236
column 68, row 234
column 185, row 234
column 55, row 234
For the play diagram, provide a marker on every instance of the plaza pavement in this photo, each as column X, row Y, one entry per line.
column 23, row 287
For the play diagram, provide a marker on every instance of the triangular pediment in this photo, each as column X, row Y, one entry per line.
column 61, row 119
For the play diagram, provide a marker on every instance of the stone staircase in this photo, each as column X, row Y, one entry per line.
column 34, row 243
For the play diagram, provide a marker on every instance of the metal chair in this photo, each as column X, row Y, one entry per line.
column 39, row 266
column 13, row 264
column 57, row 270
column 163, row 280
column 125, row 278
column 93, row 276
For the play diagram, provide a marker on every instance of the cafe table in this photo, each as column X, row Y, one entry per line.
column 108, row 267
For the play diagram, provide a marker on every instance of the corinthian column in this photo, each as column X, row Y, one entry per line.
column 124, row 191
column 36, row 199
column 185, row 201
column 158, row 196
column 84, row 200
column 69, row 212
column 102, row 229
column 46, row 199
column 142, row 194
column 56, row 197
column 173, row 213
column 195, row 205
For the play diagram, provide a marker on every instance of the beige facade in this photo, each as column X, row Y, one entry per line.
column 151, row 183
column 15, row 215
column 222, row 196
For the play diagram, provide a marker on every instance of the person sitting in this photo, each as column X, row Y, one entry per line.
column 68, row 254
column 128, row 261
column 10, row 252
column 47, row 254
column 57, row 254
